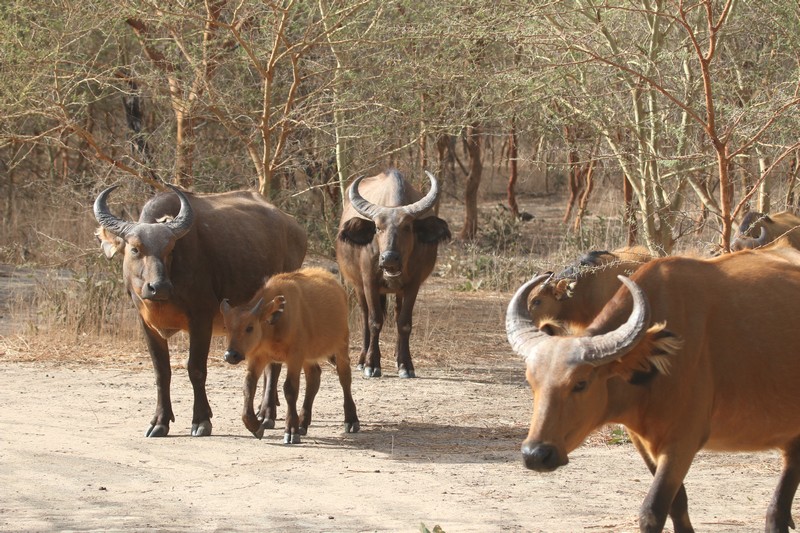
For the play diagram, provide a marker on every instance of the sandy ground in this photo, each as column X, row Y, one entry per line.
column 441, row 450
column 438, row 450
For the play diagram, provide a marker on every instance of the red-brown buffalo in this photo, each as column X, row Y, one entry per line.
column 387, row 244
column 573, row 297
column 297, row 318
column 185, row 254
column 758, row 229
column 691, row 354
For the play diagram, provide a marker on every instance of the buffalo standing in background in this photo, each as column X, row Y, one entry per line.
column 758, row 229
column 387, row 244
column 184, row 256
column 573, row 297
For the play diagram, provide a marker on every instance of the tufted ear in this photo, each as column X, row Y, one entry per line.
column 564, row 288
column 269, row 311
column 109, row 243
column 358, row 231
column 431, row 230
column 651, row 355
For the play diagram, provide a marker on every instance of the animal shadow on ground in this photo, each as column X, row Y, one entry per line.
column 415, row 442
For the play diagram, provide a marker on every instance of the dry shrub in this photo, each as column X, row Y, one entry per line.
column 66, row 303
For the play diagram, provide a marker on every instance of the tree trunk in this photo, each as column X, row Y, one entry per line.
column 184, row 151
column 587, row 175
column 725, row 193
column 794, row 167
column 134, row 116
column 629, row 213
column 447, row 163
column 763, row 187
column 512, row 163
column 472, row 141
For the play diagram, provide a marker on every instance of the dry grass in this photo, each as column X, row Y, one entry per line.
column 75, row 295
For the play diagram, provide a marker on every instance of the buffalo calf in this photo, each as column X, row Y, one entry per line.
column 297, row 318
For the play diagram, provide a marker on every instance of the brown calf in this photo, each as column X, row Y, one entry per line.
column 297, row 318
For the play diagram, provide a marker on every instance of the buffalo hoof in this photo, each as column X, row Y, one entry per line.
column 268, row 423
column 203, row 429
column 157, row 430
column 259, row 433
column 370, row 372
column 291, row 438
column 302, row 430
column 406, row 373
column 352, row 427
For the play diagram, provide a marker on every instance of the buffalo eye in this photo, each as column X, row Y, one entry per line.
column 537, row 301
column 249, row 329
column 580, row 386
column 134, row 250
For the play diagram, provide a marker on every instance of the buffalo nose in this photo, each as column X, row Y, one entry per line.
column 389, row 259
column 540, row 457
column 233, row 357
column 157, row 290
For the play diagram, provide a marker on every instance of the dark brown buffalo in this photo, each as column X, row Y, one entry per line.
column 691, row 354
column 388, row 241
column 758, row 229
column 185, row 255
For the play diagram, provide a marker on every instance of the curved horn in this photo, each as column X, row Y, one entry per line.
column 523, row 335
column 761, row 240
column 744, row 243
column 364, row 207
column 181, row 224
column 115, row 225
column 611, row 346
column 425, row 204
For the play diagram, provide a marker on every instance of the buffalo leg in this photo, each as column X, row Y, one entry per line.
column 159, row 355
column 362, row 304
column 291, row 388
column 679, row 510
column 312, row 372
column 255, row 369
column 405, row 368
column 377, row 312
column 779, row 512
column 671, row 468
column 199, row 344
column 351, row 424
column 267, row 412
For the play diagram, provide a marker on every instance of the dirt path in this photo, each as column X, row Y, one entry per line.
column 439, row 450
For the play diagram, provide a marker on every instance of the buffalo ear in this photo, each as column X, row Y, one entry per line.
column 651, row 355
column 109, row 243
column 431, row 230
column 272, row 311
column 358, row 231
column 564, row 288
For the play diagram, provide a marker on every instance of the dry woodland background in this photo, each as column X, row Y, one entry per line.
column 554, row 128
